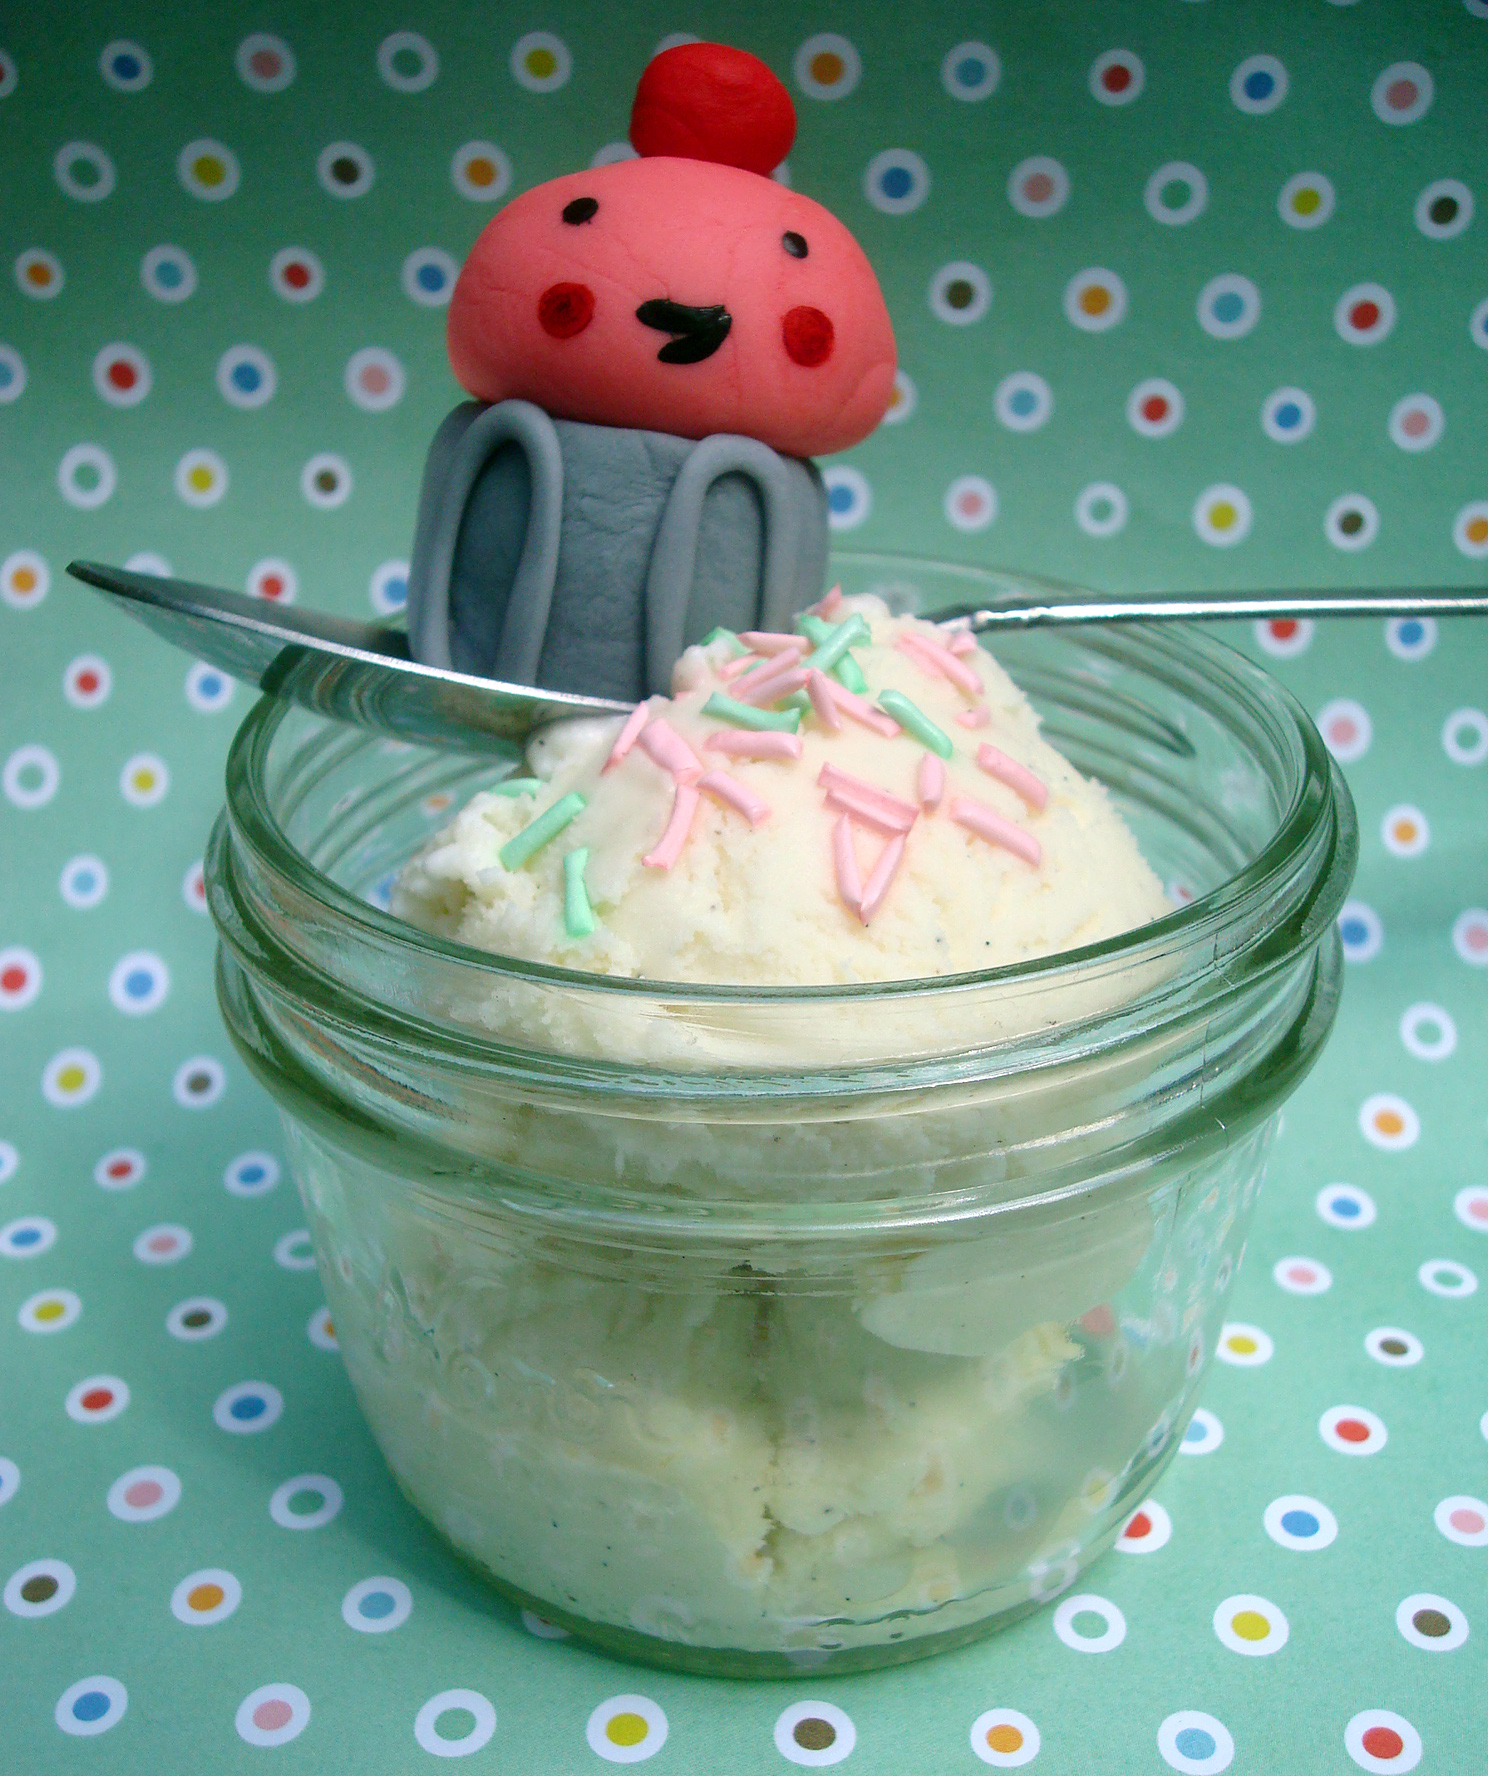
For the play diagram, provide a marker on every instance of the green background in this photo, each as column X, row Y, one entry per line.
column 1286, row 1712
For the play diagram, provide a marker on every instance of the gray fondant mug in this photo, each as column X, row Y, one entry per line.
column 586, row 557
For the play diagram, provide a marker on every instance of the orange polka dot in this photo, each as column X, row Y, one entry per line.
column 1477, row 530
column 826, row 67
column 1389, row 1122
column 24, row 579
column 205, row 1597
column 1095, row 299
column 1004, row 1738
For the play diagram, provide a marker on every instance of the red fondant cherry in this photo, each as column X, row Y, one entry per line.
column 565, row 309
column 808, row 336
column 705, row 101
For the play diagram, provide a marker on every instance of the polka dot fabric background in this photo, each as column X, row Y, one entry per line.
column 1187, row 294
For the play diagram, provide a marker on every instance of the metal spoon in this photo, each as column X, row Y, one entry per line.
column 361, row 672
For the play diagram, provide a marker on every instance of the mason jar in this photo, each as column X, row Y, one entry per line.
column 759, row 1331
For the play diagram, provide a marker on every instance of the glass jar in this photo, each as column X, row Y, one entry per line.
column 760, row 1331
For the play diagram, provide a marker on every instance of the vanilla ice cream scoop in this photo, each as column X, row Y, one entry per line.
column 857, row 802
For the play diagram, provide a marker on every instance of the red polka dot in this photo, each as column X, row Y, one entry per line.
column 264, row 63
column 564, row 310
column 87, row 682
column 1382, row 1742
column 1364, row 315
column 96, row 1399
column 1400, row 94
column 1154, row 408
column 1140, row 1525
column 270, row 586
column 1038, row 188
column 1116, row 78
column 1351, row 1430
column 1284, row 628
column 122, row 375
column 808, row 336
column 119, row 1169
column 297, row 276
column 375, row 380
column 14, row 978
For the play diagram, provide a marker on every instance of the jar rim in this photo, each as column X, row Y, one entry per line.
column 1188, row 659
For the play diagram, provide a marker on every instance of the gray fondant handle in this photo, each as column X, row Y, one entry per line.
column 531, row 598
column 674, row 553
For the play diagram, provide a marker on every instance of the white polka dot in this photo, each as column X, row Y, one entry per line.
column 121, row 374
column 1470, row 1205
column 1352, row 1430
column 121, row 1168
column 1345, row 1206
column 168, row 274
column 1244, row 1346
column 1351, row 522
column 96, row 1399
column 251, row 1174
column 139, row 983
column 1288, row 415
column 971, row 71
column 1190, row 1728
column 49, row 1310
column 407, row 62
column 125, row 66
column 1364, row 314
column 246, row 377
column 1428, row 1032
column 1470, row 529
column 1393, row 1347
column 166, row 1243
column 849, row 497
column 25, row 579
column 304, row 1486
column 1437, row 1641
column 86, row 476
column 1405, row 831
column 198, row 1082
column 204, row 1597
column 1176, row 193
column 1101, row 509
column 84, row 172
column 143, row 1494
column 1023, row 401
column 1464, row 736
column 1088, row 1604
column 1154, row 408
column 91, row 1706
column 247, row 1407
column 1302, row 1276
column 325, row 481
column 294, row 1250
column 377, row 1605
column 195, row 1319
column 1157, row 1531
column 1447, row 1278
column 1117, row 77
column 39, row 274
column 1258, row 85
column 296, row 274
column 265, row 63
column 896, row 181
column 1300, row 1523
column 1346, row 729
column 471, row 1702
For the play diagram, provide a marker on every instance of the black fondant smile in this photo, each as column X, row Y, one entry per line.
column 699, row 331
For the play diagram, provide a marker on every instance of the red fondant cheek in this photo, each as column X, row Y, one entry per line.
column 565, row 309
column 808, row 336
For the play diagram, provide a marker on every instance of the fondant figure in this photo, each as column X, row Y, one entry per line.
column 655, row 349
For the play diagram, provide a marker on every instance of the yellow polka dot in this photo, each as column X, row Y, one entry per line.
column 626, row 1729
column 50, row 1310
column 200, row 478
column 1242, row 1344
column 205, row 1597
column 1004, row 1738
column 1222, row 515
column 1250, row 1625
column 541, row 63
column 208, row 169
column 72, row 1078
column 1095, row 299
column 1307, row 202
column 826, row 67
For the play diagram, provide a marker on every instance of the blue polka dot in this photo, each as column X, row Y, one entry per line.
column 209, row 684
column 250, row 1406
column 138, row 983
column 430, row 278
column 840, row 499
column 25, row 1236
column 7, row 374
column 1354, row 931
column 1300, row 1523
column 1194, row 1434
column 1410, row 632
column 1195, row 1743
column 246, row 377
column 1287, row 415
column 395, row 591
column 896, row 182
column 1023, row 402
column 251, row 1174
column 92, row 1705
column 85, row 881
column 168, row 274
column 970, row 71
column 377, row 1604
column 1259, row 84
column 1227, row 307
column 1345, row 1206
column 127, row 67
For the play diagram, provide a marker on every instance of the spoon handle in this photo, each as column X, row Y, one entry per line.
column 1433, row 601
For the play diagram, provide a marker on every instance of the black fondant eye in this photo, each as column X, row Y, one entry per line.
column 583, row 209
column 794, row 244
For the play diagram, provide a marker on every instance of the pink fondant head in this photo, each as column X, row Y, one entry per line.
column 681, row 295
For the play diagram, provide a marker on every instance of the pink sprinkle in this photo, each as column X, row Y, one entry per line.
column 853, row 705
column 922, row 657
column 877, row 885
column 729, row 790
column 831, row 777
column 744, row 663
column 821, row 701
column 768, row 668
column 669, row 846
column 931, row 783
column 959, row 673
column 980, row 717
column 977, row 817
column 626, row 738
column 661, row 741
column 784, row 683
column 745, row 743
column 844, row 859
column 826, row 605
column 1017, row 777
column 962, row 642
column 771, row 641
column 870, row 813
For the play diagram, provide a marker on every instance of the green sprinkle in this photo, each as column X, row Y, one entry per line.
column 578, row 915
column 850, row 633
column 722, row 634
column 515, row 852
column 515, row 786
column 849, row 674
column 911, row 717
column 745, row 715
column 815, row 629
